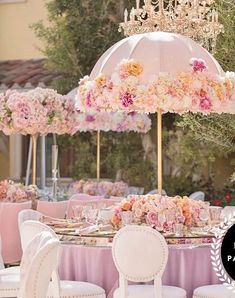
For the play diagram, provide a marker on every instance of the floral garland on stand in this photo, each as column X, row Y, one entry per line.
column 36, row 112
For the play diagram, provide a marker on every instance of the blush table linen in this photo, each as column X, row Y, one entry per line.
column 187, row 267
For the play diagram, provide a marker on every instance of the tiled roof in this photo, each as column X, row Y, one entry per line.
column 26, row 74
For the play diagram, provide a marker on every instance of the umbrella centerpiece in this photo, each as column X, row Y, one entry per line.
column 158, row 72
column 104, row 121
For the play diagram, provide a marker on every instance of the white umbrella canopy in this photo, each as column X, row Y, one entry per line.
column 158, row 72
column 158, row 52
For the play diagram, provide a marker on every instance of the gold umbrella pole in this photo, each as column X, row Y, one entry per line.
column 34, row 170
column 159, row 151
column 98, row 157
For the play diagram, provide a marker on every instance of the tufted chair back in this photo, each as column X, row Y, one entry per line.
column 140, row 254
column 30, row 228
column 39, row 260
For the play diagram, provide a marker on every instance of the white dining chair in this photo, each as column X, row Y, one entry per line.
column 39, row 260
column 58, row 288
column 10, row 283
column 30, row 228
column 228, row 211
column 28, row 214
column 213, row 291
column 155, row 191
column 198, row 195
column 140, row 255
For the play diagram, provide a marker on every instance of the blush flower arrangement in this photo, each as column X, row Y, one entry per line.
column 38, row 111
column 102, row 188
column 196, row 90
column 119, row 122
column 17, row 192
column 160, row 212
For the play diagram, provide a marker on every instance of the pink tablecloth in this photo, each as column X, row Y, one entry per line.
column 187, row 267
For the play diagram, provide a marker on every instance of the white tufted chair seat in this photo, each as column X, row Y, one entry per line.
column 77, row 289
column 9, row 283
column 213, row 291
column 147, row 291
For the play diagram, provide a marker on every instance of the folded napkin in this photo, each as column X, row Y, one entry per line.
column 60, row 223
column 88, row 230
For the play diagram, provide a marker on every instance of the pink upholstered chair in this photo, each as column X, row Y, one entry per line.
column 134, row 252
column 11, row 247
column 53, row 209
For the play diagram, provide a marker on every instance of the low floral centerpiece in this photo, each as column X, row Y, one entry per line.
column 161, row 212
column 17, row 192
column 101, row 188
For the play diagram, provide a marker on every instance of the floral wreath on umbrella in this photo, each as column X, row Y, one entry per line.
column 194, row 91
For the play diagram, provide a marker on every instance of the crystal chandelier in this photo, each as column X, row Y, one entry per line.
column 196, row 19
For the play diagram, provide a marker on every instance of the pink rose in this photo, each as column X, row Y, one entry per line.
column 198, row 64
column 127, row 99
column 152, row 218
column 205, row 103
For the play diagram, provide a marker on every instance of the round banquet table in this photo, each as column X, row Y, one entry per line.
column 188, row 267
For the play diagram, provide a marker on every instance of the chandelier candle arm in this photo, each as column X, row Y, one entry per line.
column 34, row 166
column 159, row 151
column 98, row 157
column 196, row 19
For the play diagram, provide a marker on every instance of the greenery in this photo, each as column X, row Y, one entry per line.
column 78, row 33
column 218, row 131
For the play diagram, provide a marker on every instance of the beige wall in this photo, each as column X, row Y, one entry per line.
column 17, row 40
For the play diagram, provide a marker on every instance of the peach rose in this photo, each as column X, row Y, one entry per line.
column 134, row 68
column 126, row 206
column 100, row 80
column 115, row 220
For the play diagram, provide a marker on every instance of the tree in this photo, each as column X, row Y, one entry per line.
column 79, row 33
column 218, row 130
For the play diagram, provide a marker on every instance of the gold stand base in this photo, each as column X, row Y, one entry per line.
column 98, row 157
column 34, row 167
column 159, row 151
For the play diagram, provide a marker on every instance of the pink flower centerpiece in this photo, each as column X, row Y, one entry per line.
column 161, row 212
column 119, row 122
column 102, row 188
column 17, row 192
column 38, row 111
